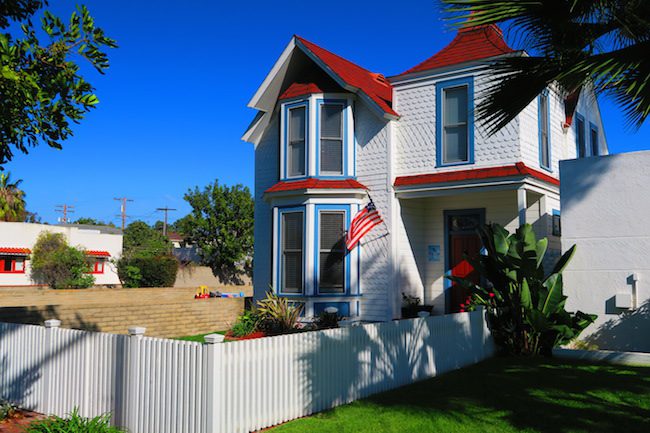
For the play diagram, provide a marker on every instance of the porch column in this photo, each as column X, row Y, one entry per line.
column 521, row 204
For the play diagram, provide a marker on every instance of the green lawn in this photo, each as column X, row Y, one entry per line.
column 198, row 337
column 502, row 395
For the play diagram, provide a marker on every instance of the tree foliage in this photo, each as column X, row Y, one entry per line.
column 221, row 225
column 59, row 265
column 141, row 240
column 12, row 199
column 92, row 222
column 572, row 43
column 41, row 87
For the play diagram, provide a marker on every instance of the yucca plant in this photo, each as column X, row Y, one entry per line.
column 277, row 314
column 525, row 305
column 74, row 423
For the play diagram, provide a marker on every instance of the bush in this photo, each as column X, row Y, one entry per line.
column 157, row 271
column 59, row 265
column 525, row 306
column 246, row 324
column 7, row 410
column 73, row 424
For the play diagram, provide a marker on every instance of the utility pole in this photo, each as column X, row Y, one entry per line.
column 123, row 201
column 65, row 209
column 165, row 209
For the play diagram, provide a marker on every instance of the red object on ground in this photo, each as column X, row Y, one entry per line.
column 251, row 336
column 313, row 183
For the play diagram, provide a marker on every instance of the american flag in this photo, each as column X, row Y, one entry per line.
column 363, row 222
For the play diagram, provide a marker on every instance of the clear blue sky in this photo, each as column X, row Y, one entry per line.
column 173, row 103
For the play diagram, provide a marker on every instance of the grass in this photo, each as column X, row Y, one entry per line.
column 502, row 395
column 198, row 337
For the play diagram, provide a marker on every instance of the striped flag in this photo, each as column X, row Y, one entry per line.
column 363, row 222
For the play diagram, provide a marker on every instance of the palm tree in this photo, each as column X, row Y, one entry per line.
column 603, row 44
column 12, row 199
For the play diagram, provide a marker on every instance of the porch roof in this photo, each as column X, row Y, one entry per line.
column 517, row 170
column 15, row 251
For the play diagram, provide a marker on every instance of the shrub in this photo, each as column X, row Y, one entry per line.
column 246, row 324
column 277, row 315
column 73, row 424
column 7, row 410
column 157, row 271
column 59, row 265
column 525, row 306
column 327, row 320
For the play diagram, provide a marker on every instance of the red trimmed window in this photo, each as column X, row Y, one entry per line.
column 98, row 266
column 12, row 265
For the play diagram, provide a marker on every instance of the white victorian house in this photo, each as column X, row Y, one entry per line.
column 329, row 135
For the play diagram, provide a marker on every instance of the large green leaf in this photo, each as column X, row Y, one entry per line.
column 540, row 250
column 553, row 298
column 526, row 300
column 563, row 262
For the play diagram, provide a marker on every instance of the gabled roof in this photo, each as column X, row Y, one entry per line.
column 470, row 44
column 314, row 183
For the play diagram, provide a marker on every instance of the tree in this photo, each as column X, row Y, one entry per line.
column 221, row 226
column 92, row 222
column 573, row 43
column 12, row 199
column 41, row 87
column 59, row 265
column 141, row 240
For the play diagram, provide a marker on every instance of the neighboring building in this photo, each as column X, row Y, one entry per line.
column 605, row 203
column 185, row 252
column 17, row 241
column 329, row 135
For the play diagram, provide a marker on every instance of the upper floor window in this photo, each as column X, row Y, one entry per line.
column 455, row 101
column 291, row 249
column 296, row 141
column 581, row 142
column 331, row 250
column 544, row 136
column 593, row 132
column 331, row 139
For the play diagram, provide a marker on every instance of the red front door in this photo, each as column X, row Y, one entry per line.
column 462, row 245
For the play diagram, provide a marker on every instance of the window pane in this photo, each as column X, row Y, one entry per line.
column 7, row 264
column 292, row 272
column 332, row 271
column 297, row 124
column 455, row 106
column 331, row 230
column 296, row 147
column 20, row 265
column 582, row 148
column 543, row 124
column 455, row 141
column 292, row 230
column 297, row 159
column 331, row 119
column 292, row 236
column 332, row 252
column 331, row 156
column 594, row 142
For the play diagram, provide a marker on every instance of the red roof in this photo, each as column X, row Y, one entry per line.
column 372, row 84
column 470, row 43
column 519, row 169
column 300, row 89
column 15, row 251
column 313, row 183
column 95, row 253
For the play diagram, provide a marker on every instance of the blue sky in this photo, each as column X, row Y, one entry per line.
column 173, row 103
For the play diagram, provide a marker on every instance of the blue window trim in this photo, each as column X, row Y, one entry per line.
column 344, row 103
column 446, row 214
column 594, row 128
column 330, row 207
column 440, row 87
column 278, row 285
column 582, row 119
column 544, row 94
column 285, row 139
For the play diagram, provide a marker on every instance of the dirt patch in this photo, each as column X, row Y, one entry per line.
column 18, row 423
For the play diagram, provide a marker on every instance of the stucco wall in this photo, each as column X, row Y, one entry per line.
column 24, row 235
column 605, row 204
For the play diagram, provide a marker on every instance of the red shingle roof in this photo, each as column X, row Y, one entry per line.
column 15, row 251
column 313, row 183
column 519, row 169
column 470, row 43
column 300, row 89
column 96, row 253
column 372, row 84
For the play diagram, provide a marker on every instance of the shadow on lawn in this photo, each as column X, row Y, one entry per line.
column 546, row 395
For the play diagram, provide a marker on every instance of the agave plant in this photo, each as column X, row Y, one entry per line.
column 525, row 305
column 277, row 314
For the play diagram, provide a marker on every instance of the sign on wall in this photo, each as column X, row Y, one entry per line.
column 433, row 253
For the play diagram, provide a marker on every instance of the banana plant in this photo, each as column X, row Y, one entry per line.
column 525, row 305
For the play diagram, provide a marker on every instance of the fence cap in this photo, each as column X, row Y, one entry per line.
column 137, row 330
column 52, row 323
column 214, row 338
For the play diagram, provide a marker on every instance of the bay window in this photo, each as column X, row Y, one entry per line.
column 331, row 252
column 331, row 139
column 454, row 122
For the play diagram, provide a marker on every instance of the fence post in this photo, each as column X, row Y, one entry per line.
column 211, row 381
column 132, row 395
column 48, row 374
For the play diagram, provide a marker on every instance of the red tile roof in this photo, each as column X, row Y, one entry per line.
column 313, row 183
column 300, row 89
column 372, row 84
column 15, row 251
column 470, row 43
column 519, row 169
column 96, row 253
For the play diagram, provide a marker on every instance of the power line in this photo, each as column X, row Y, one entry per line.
column 166, row 210
column 65, row 209
column 123, row 201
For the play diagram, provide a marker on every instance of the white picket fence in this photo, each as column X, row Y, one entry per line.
column 153, row 385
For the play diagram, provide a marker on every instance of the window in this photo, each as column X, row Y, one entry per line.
column 557, row 223
column 454, row 122
column 581, row 143
column 331, row 260
column 98, row 267
column 544, row 138
column 292, row 252
column 594, row 140
column 296, row 141
column 331, row 139
column 12, row 264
